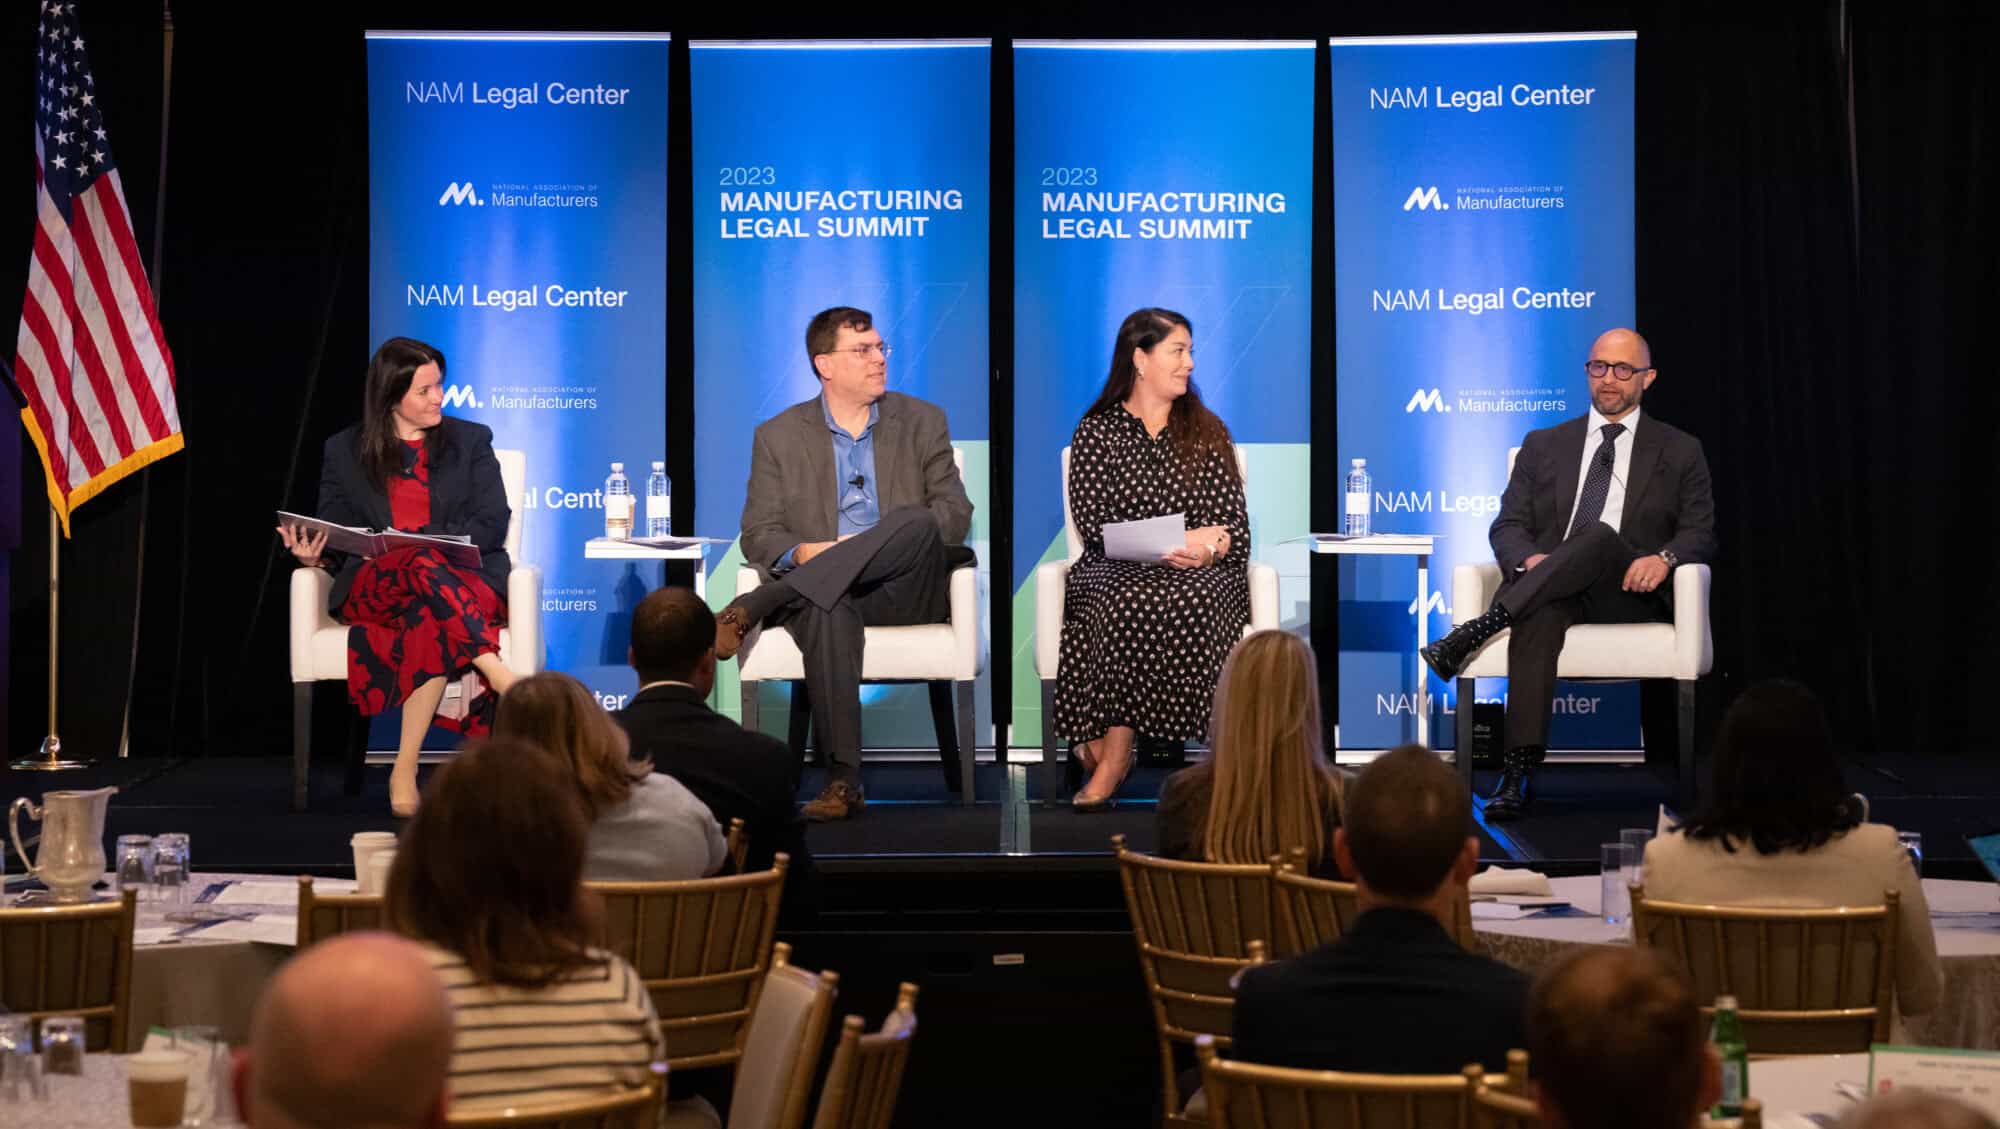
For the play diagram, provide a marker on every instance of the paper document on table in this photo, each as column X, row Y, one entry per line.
column 270, row 928
column 257, row 894
column 1147, row 540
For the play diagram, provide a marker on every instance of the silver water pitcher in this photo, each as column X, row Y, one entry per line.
column 70, row 858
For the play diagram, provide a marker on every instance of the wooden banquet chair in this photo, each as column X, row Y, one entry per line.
column 329, row 915
column 1246, row 1095
column 1197, row 925
column 867, row 1071
column 703, row 946
column 736, row 846
column 780, row 1053
column 945, row 656
column 1806, row 981
column 319, row 642
column 1682, row 650
column 71, row 960
column 1051, row 580
column 1316, row 911
column 630, row 1107
column 1504, row 1104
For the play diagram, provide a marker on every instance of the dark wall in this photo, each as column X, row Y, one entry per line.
column 1811, row 278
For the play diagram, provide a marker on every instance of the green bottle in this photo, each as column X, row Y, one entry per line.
column 1726, row 1036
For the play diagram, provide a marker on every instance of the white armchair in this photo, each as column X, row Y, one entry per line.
column 947, row 656
column 1683, row 650
column 319, row 642
column 1051, row 578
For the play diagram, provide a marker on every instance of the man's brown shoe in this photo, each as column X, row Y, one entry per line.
column 838, row 800
column 731, row 625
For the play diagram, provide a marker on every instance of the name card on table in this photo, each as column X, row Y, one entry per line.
column 1972, row 1077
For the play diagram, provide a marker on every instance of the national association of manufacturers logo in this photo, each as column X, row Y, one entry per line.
column 1425, row 199
column 1426, row 400
column 460, row 194
column 461, row 396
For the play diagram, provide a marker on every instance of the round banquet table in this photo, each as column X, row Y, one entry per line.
column 1965, row 916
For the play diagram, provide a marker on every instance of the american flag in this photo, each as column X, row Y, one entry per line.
column 90, row 358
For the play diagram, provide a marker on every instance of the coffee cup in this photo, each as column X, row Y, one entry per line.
column 365, row 844
column 157, row 1082
column 378, row 871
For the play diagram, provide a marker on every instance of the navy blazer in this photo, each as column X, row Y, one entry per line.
column 467, row 497
column 1669, row 503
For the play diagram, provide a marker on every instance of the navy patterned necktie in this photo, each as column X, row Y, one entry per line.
column 1590, row 503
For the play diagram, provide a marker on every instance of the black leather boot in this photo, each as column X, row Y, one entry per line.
column 1448, row 656
column 1509, row 801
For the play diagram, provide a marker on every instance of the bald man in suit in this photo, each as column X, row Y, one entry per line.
column 1598, row 513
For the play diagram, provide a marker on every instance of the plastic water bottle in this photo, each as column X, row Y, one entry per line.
column 1360, row 499
column 1726, row 1036
column 659, row 502
column 618, row 504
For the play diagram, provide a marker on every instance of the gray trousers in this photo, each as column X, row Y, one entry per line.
column 892, row 575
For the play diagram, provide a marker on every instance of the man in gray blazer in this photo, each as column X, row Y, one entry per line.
column 855, row 515
column 1598, row 513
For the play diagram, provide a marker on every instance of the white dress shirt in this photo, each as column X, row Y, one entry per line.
column 1621, row 466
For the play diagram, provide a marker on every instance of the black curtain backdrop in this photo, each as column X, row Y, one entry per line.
column 1814, row 254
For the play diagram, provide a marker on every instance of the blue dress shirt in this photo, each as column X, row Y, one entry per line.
column 854, row 475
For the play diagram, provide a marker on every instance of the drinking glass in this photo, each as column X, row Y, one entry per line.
column 1635, row 840
column 156, row 1084
column 62, row 1045
column 1616, row 898
column 20, row 1069
column 134, row 864
column 170, row 870
column 207, row 1053
column 1913, row 845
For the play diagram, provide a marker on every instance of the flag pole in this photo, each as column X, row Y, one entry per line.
column 146, row 473
column 49, row 758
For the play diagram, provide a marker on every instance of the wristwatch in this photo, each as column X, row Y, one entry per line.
column 1672, row 558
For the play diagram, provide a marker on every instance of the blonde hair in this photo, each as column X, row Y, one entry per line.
column 558, row 713
column 1273, row 789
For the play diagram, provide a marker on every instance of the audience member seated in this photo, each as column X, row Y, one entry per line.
column 1781, row 830
column 1916, row 1109
column 1265, row 775
column 1396, row 994
column 738, row 774
column 489, row 879
column 354, row 1031
column 644, row 827
column 1616, row 1041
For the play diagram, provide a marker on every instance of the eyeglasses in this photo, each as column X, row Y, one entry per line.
column 1619, row 369
column 863, row 352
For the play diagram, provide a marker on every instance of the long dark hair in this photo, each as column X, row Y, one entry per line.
column 491, row 868
column 1192, row 430
column 390, row 371
column 1777, row 780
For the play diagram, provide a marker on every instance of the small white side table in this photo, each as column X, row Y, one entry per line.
column 1415, row 545
column 657, row 549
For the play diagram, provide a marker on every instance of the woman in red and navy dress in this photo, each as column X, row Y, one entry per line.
column 415, row 622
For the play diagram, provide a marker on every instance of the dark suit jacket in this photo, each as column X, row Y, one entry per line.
column 738, row 774
column 792, row 494
column 1668, row 500
column 1395, row 995
column 467, row 497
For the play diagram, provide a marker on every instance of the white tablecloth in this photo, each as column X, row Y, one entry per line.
column 1965, row 916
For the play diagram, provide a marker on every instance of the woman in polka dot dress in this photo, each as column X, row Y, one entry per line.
column 1143, row 643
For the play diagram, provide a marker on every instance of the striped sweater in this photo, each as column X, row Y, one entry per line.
column 515, row 1046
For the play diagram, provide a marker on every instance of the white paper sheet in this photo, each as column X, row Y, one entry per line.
column 154, row 935
column 270, row 928
column 1147, row 540
column 258, row 894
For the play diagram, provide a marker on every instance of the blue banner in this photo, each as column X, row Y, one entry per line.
column 1483, row 239
column 518, row 207
column 838, row 174
column 1175, row 174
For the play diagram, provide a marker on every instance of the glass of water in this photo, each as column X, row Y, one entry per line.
column 1635, row 840
column 1913, row 845
column 170, row 870
column 1616, row 898
column 135, row 863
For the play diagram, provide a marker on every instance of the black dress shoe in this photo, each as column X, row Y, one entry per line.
column 1448, row 655
column 1509, row 801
